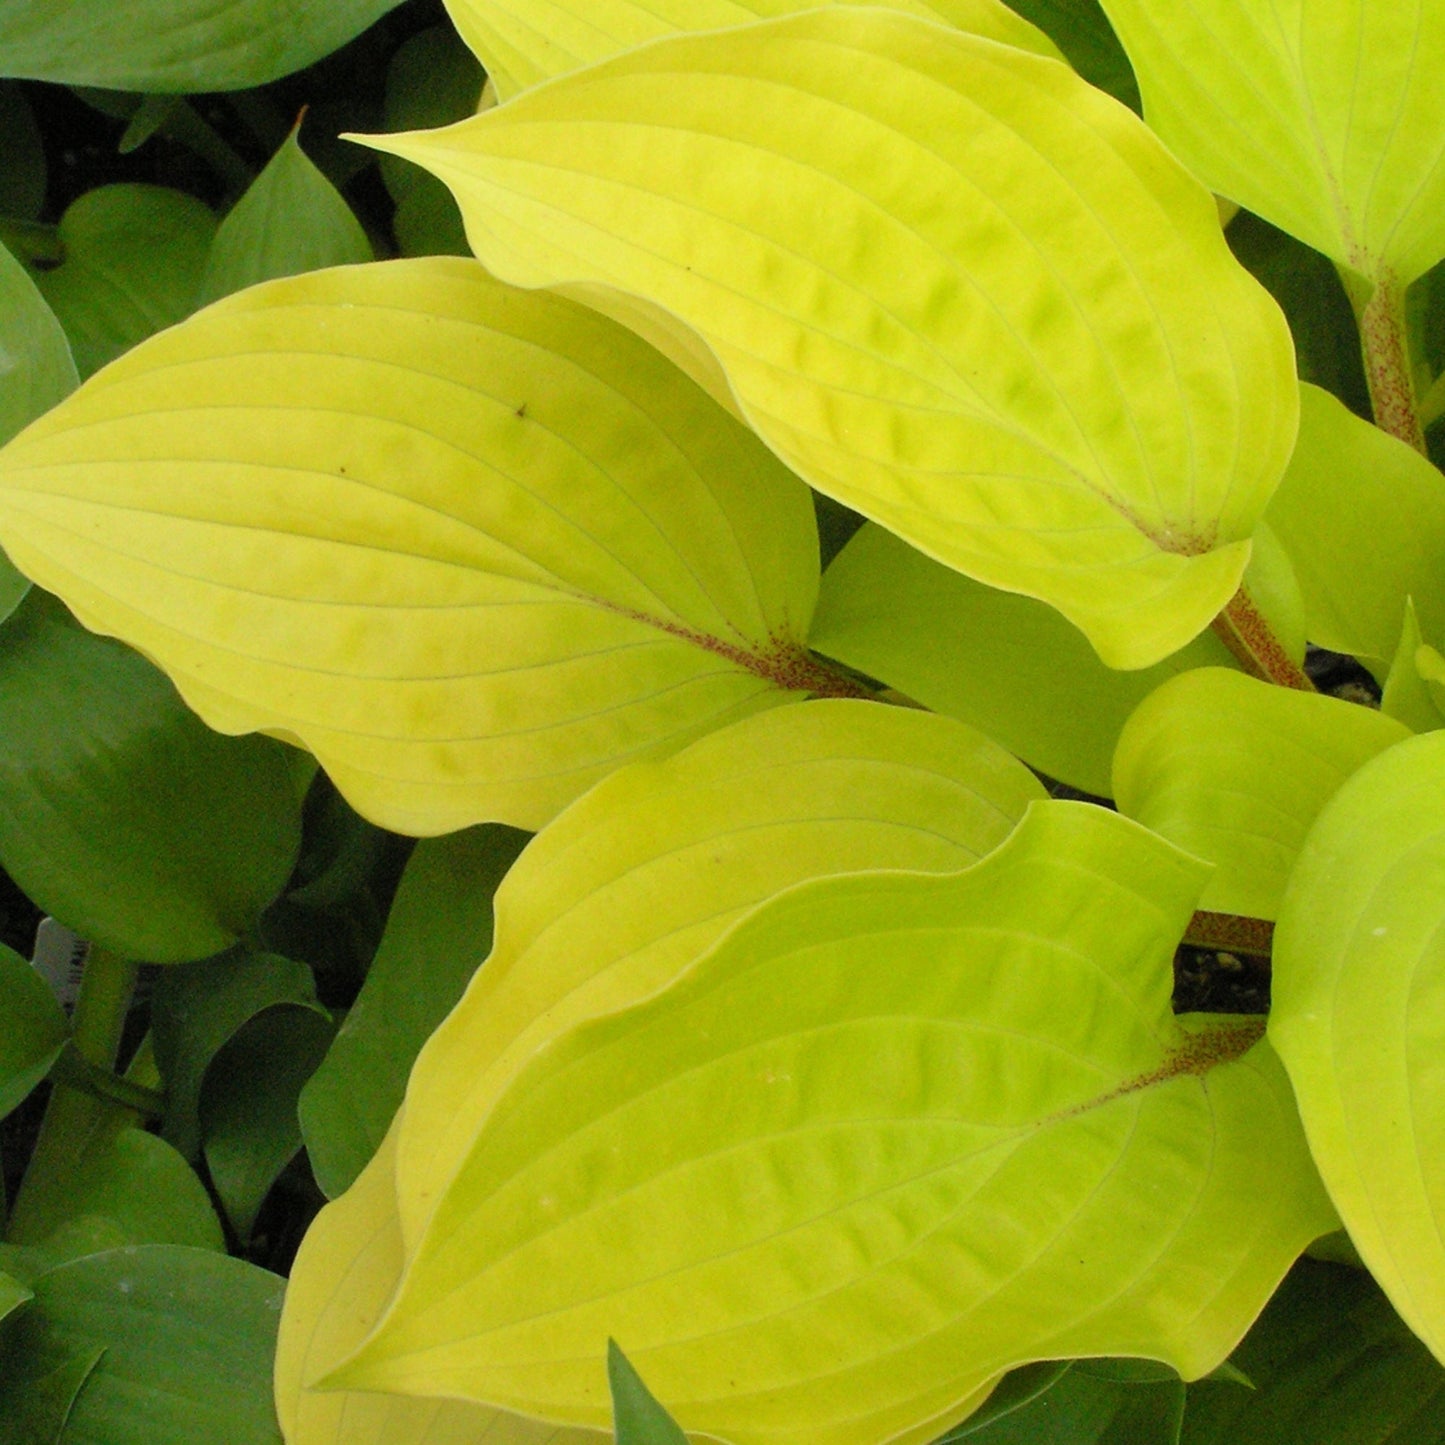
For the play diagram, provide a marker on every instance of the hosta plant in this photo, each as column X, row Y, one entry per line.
column 826, row 1062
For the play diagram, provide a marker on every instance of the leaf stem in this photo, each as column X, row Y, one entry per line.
column 73, row 1114
column 1245, row 631
column 1380, row 314
column 1230, row 933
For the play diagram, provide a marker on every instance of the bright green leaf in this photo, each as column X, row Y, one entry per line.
column 1007, row 664
column 1320, row 115
column 1332, row 1364
column 34, row 1029
column 1407, row 695
column 291, row 220
column 524, row 42
column 134, row 256
column 637, row 1416
column 187, row 1336
column 248, row 1105
column 437, row 934
column 474, row 547
column 1362, row 517
column 120, row 814
column 1359, row 1016
column 175, row 45
column 197, row 1007
column 950, row 284
column 35, row 366
column 625, row 890
column 341, row 1280
column 1236, row 771
column 896, row 1134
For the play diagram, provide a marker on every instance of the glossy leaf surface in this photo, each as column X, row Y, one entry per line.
column 1320, row 115
column 1009, row 665
column 175, row 45
column 1038, row 1160
column 473, row 547
column 1359, row 1014
column 341, row 1280
column 524, row 42
column 651, row 868
column 134, row 257
column 438, row 933
column 292, row 219
column 1362, row 517
column 1236, row 771
column 952, row 285
column 132, row 823
column 35, row 1029
column 187, row 1338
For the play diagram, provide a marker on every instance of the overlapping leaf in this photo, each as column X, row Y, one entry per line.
column 1359, row 1017
column 1006, row 664
column 35, row 1029
column 951, row 285
column 473, row 547
column 1236, row 771
column 523, row 42
column 1320, row 115
column 1415, row 685
column 896, row 1134
column 341, row 1280
column 624, row 891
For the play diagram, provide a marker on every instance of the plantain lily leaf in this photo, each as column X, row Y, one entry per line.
column 1359, row 999
column 896, row 1134
column 948, row 282
column 343, row 1276
column 1236, row 771
column 1082, row 31
column 175, row 45
column 1362, row 517
column 1010, row 666
column 35, row 1029
column 524, row 42
column 1409, row 695
column 472, row 547
column 134, row 256
column 291, row 219
column 622, row 893
column 1319, row 115
column 637, row 1416
column 36, row 369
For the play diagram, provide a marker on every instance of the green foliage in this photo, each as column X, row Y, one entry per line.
column 815, row 1050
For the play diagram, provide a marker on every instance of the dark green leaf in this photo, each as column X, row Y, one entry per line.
column 121, row 814
column 637, row 1417
column 33, row 1029
column 188, row 1337
column 198, row 1007
column 35, row 1407
column 1332, row 1364
column 292, row 219
column 174, row 45
column 134, row 255
column 438, row 934
column 13, row 1295
column 1085, row 1409
column 1082, row 31
column 22, row 157
column 35, row 366
column 248, row 1105
column 1017, row 1389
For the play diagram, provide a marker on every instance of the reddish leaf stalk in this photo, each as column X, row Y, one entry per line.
column 1244, row 630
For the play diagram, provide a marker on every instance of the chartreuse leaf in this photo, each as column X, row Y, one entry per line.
column 1331, row 1364
column 34, row 1033
column 120, row 814
column 187, row 1337
column 1007, row 664
column 341, row 1281
column 524, row 42
column 896, row 1134
column 134, row 257
column 292, row 219
column 1416, row 699
column 1319, row 115
column 473, row 547
column 951, row 284
column 1359, row 999
column 1236, row 771
column 616, row 898
column 438, row 932
column 175, row 45
column 1362, row 517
